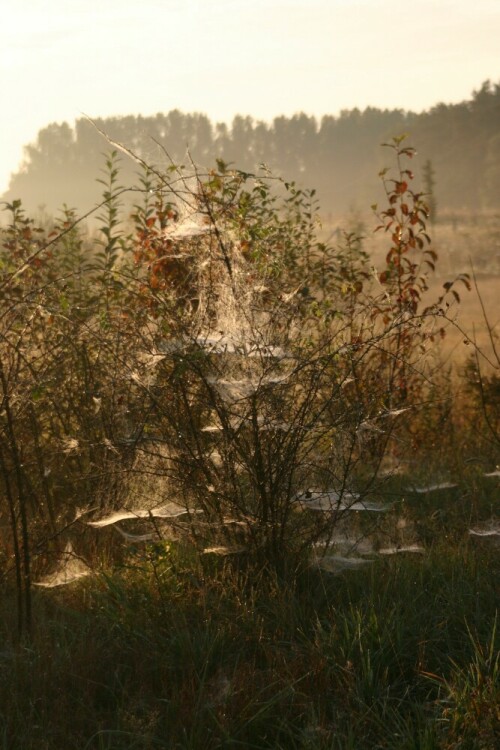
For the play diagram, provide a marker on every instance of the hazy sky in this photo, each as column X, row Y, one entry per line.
column 223, row 57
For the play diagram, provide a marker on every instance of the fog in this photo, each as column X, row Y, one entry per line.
column 340, row 156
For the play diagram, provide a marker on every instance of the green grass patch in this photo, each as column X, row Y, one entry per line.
column 402, row 655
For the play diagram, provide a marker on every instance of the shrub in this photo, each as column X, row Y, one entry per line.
column 214, row 354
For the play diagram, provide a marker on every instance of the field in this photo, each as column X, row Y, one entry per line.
column 249, row 487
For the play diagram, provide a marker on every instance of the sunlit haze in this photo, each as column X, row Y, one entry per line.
column 262, row 58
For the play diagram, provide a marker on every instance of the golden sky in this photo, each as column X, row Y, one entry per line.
column 61, row 58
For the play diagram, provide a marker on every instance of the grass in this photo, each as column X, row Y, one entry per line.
column 402, row 655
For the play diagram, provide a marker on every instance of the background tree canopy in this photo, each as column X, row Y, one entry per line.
column 339, row 156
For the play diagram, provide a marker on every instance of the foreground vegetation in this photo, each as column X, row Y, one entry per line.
column 237, row 483
column 163, row 654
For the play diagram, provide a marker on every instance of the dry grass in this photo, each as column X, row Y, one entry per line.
column 463, row 241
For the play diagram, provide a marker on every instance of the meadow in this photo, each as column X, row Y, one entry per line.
column 249, row 488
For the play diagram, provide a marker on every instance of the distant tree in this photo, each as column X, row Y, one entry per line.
column 491, row 188
column 338, row 155
column 429, row 180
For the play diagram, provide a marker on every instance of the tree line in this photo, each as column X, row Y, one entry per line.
column 337, row 155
